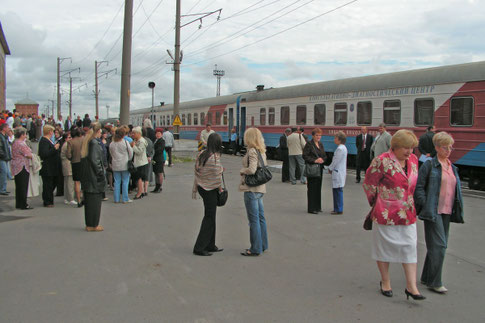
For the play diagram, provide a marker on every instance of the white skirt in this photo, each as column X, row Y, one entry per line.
column 395, row 243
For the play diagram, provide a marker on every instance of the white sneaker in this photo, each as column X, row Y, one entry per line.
column 441, row 289
column 73, row 203
column 129, row 201
column 66, row 202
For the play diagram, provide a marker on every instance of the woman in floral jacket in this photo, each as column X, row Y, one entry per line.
column 389, row 185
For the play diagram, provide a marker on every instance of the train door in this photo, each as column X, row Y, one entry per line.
column 242, row 126
column 231, row 120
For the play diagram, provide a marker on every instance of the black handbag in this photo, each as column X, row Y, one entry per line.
column 222, row 195
column 312, row 170
column 261, row 176
column 368, row 221
column 131, row 166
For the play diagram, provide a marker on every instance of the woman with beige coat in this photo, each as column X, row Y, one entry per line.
column 67, row 171
column 253, row 195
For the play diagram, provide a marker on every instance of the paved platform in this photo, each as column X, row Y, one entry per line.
column 141, row 268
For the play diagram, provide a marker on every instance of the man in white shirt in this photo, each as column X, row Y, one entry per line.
column 169, row 143
column 296, row 143
column 204, row 134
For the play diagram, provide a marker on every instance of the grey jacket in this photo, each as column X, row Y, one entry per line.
column 427, row 193
column 381, row 144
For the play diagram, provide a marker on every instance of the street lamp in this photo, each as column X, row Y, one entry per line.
column 151, row 85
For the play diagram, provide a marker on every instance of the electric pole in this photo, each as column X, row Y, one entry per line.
column 177, row 59
column 96, row 77
column 218, row 73
column 126, row 63
column 59, row 61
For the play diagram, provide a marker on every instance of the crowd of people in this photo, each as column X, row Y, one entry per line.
column 81, row 161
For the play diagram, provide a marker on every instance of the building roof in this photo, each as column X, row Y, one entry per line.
column 26, row 101
column 3, row 41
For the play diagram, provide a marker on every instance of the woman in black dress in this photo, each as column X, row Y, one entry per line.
column 313, row 153
column 158, row 160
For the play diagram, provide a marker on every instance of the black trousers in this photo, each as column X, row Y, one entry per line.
column 169, row 154
column 21, row 188
column 48, row 185
column 92, row 208
column 285, row 171
column 314, row 193
column 363, row 162
column 207, row 234
column 60, row 185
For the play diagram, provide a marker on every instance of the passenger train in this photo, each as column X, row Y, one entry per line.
column 450, row 97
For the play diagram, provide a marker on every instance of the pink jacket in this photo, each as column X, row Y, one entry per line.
column 390, row 191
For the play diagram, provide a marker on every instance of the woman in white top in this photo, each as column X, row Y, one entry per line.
column 121, row 152
column 338, row 169
column 141, row 161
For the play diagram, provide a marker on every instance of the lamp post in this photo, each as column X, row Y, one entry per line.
column 151, row 85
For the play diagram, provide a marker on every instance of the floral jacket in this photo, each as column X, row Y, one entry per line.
column 390, row 191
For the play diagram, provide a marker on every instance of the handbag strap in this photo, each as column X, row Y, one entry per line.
column 260, row 158
column 223, row 181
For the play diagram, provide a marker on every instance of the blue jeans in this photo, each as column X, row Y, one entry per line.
column 3, row 176
column 257, row 223
column 122, row 180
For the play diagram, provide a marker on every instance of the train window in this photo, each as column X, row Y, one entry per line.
column 224, row 118
column 202, row 118
column 461, row 112
column 209, row 117
column 340, row 114
column 319, row 114
column 301, row 114
column 271, row 116
column 392, row 112
column 196, row 119
column 285, row 115
column 183, row 119
column 364, row 113
column 423, row 112
column 262, row 116
column 218, row 117
column 189, row 119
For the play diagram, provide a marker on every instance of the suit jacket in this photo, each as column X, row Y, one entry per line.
column 381, row 144
column 368, row 143
column 67, row 125
column 296, row 143
column 50, row 158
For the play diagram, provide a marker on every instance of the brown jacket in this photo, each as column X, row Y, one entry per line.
column 250, row 164
column 74, row 150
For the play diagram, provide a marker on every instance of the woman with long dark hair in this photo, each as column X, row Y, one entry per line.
column 93, row 178
column 208, row 182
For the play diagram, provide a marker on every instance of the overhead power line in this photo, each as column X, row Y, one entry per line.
column 277, row 33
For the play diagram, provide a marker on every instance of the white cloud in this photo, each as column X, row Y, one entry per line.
column 366, row 37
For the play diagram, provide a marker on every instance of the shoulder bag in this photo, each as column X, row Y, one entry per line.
column 368, row 221
column 131, row 166
column 313, row 170
column 222, row 195
column 261, row 176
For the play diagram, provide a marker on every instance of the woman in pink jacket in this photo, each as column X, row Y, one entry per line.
column 389, row 185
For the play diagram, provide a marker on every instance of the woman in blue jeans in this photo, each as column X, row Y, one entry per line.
column 121, row 152
column 253, row 195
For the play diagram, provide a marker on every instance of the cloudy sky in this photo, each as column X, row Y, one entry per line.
column 270, row 42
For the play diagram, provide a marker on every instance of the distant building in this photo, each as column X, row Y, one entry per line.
column 4, row 51
column 27, row 106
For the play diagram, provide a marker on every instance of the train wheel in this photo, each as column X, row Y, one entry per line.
column 474, row 183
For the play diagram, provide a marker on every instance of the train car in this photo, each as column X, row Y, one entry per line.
column 450, row 97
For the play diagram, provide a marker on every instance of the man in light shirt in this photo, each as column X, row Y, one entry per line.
column 296, row 143
column 204, row 134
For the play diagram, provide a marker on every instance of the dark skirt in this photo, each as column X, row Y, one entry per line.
column 76, row 172
column 158, row 167
column 141, row 173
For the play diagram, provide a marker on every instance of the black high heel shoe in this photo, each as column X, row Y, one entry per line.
column 387, row 293
column 416, row 297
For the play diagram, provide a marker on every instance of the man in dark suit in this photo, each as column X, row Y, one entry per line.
column 363, row 142
column 283, row 148
column 68, row 124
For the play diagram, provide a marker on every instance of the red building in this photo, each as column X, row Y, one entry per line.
column 27, row 106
